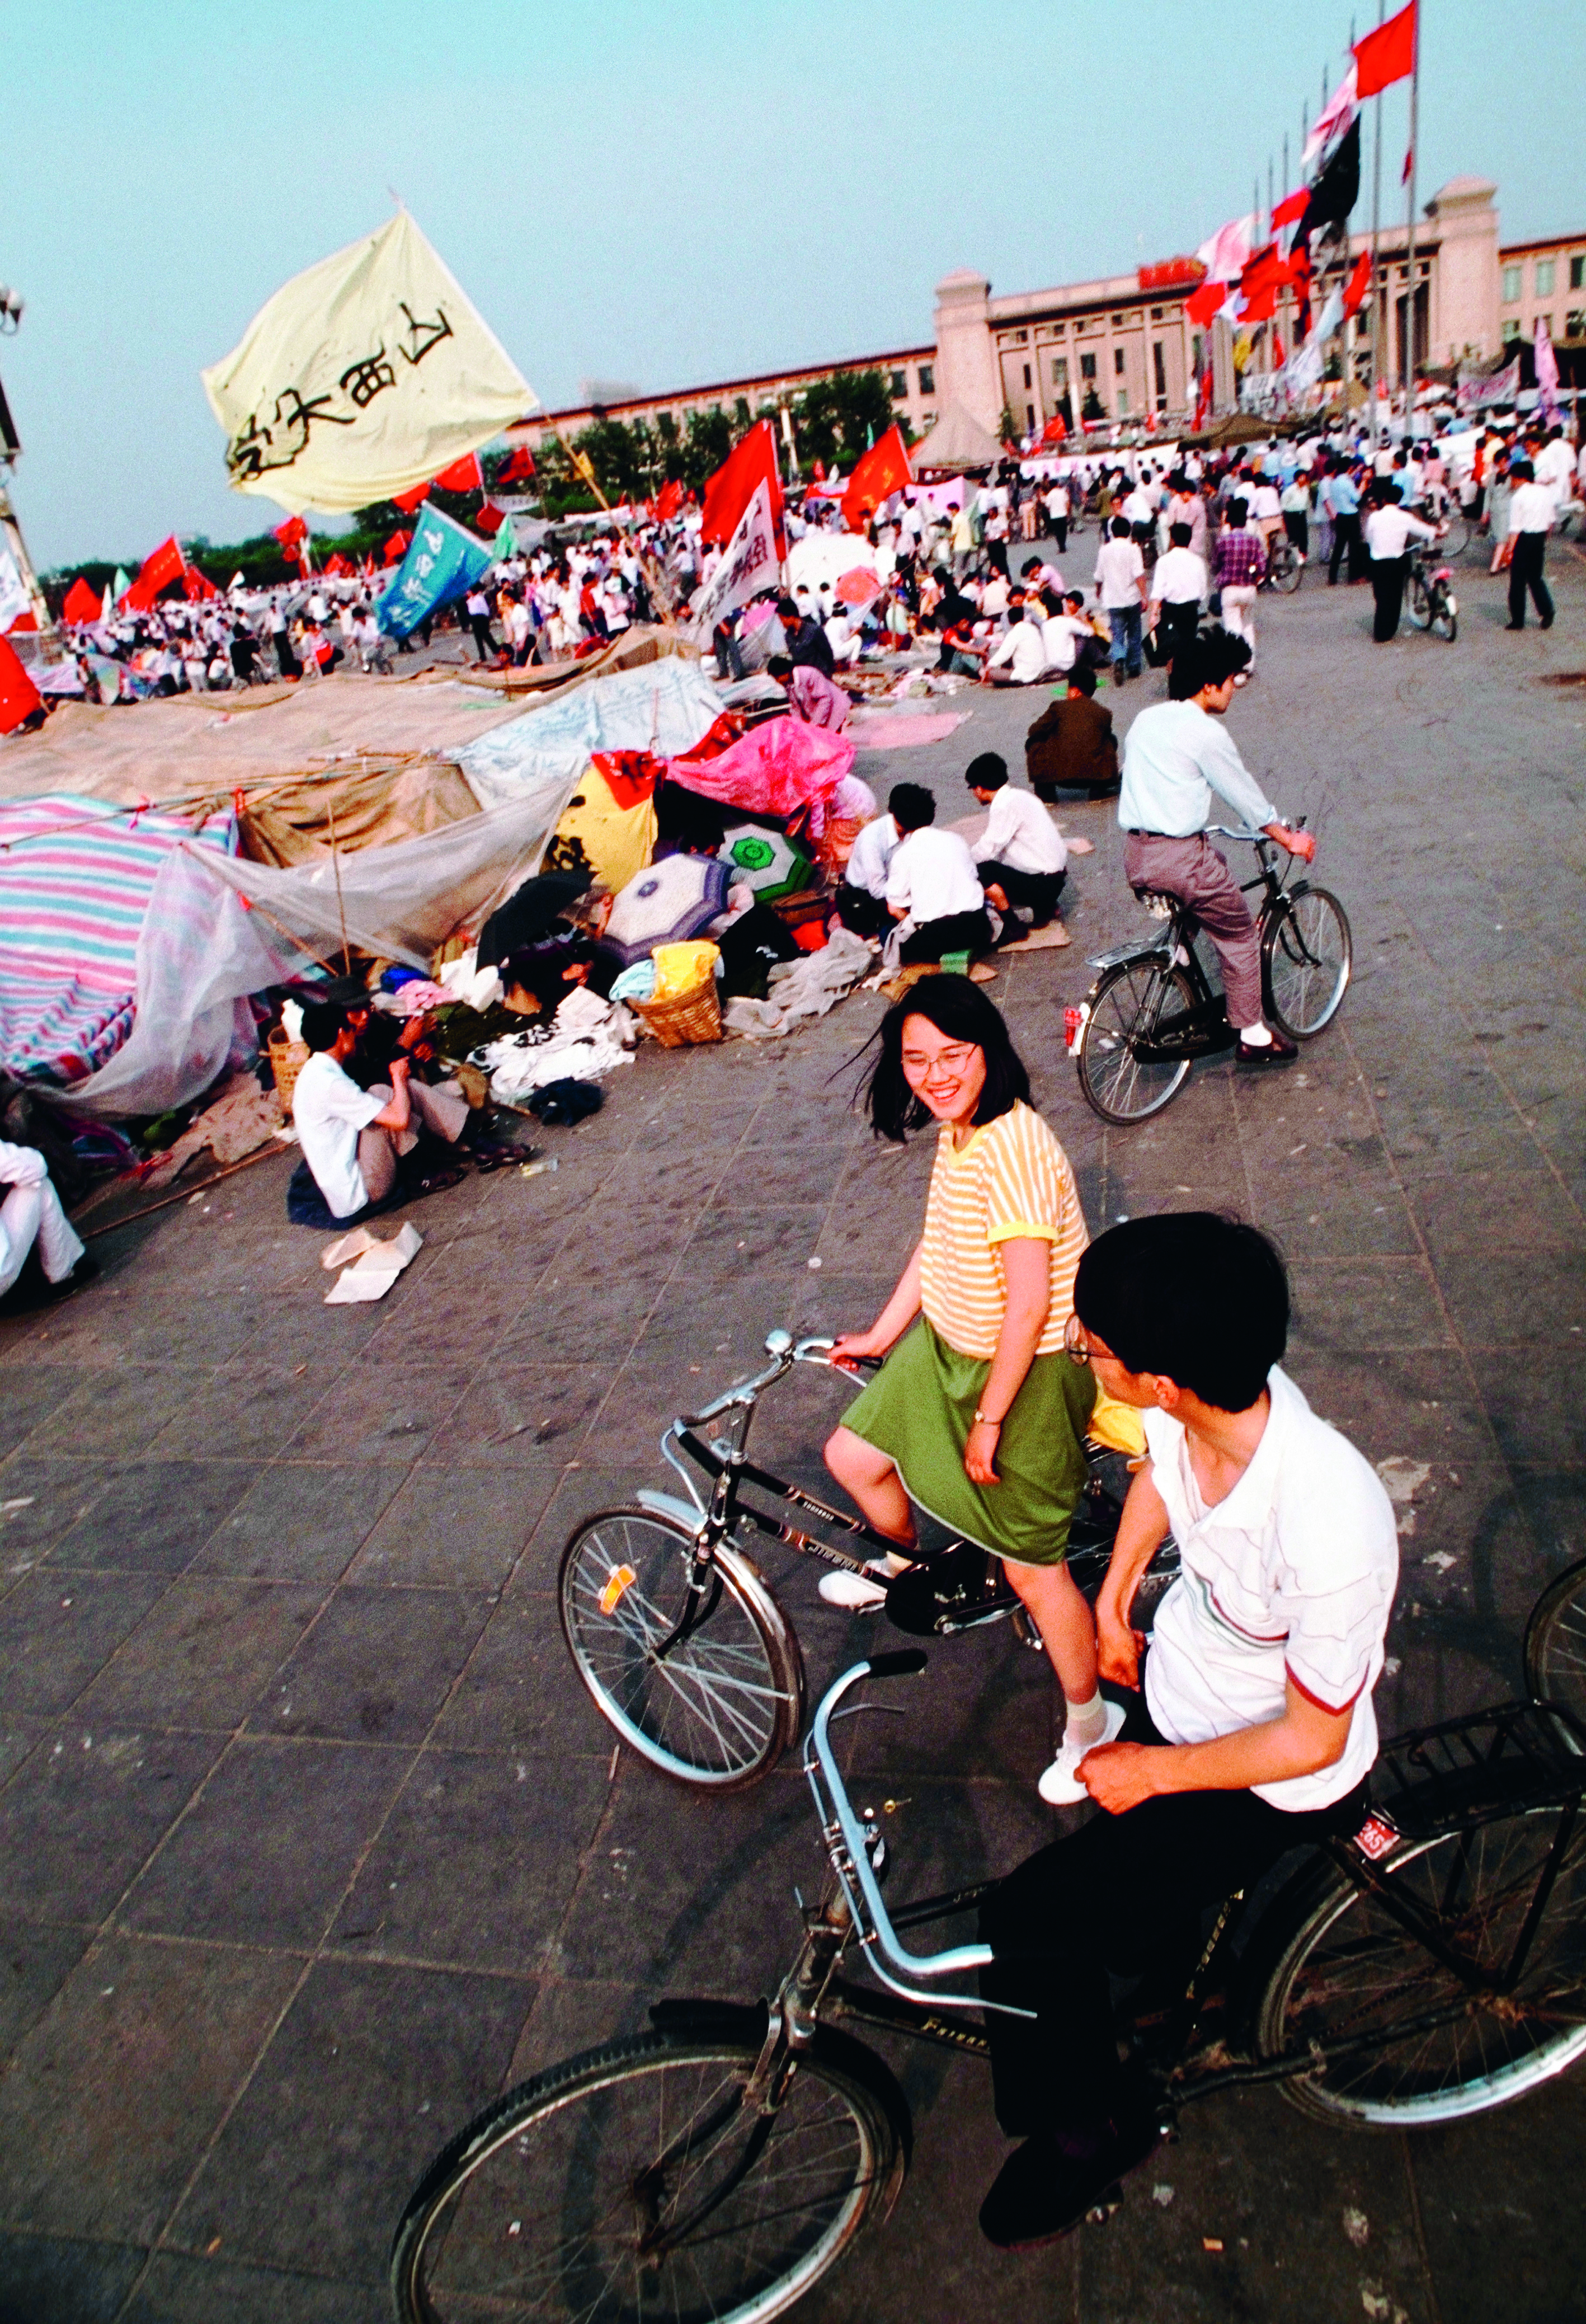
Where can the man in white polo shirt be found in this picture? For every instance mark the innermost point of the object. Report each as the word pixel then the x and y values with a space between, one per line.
pixel 1255 1732
pixel 932 884
pixel 1023 858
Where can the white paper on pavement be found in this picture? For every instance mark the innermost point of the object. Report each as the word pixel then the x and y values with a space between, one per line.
pixel 361 377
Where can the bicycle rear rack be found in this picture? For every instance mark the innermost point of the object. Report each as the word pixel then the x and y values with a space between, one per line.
pixel 1516 1755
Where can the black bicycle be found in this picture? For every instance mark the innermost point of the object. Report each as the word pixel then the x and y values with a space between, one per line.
pixel 1430 1967
pixel 1285 566
pixel 1154 1008
pixel 681 1641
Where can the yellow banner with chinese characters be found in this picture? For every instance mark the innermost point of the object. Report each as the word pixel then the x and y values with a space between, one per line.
pixel 361 378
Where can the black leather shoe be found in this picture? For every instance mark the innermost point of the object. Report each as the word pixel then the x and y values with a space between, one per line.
pixel 1042 2191
pixel 1514 625
pixel 1278 1051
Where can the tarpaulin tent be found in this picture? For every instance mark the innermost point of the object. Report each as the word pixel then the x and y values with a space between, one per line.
pixel 376 801
pixel 956 442
pixel 76 879
pixel 665 707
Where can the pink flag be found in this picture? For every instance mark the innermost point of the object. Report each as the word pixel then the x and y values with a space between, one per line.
pixel 1546 372
pixel 1226 254
pixel 1335 116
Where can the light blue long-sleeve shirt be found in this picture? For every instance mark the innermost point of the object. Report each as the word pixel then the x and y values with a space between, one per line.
pixel 1174 757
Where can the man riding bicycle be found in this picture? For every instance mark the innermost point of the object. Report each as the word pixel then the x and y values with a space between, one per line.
pixel 1175 756
pixel 1251 1729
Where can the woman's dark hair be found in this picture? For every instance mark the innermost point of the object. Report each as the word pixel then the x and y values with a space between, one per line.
pixel 960 1010
pixel 1200 1299
pixel 1236 512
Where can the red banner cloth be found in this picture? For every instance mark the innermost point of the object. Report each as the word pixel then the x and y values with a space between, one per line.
pixel 884 469
pixel 410 500
pixel 82 603
pixel 669 501
pixel 163 565
pixel 1360 282
pixel 520 467
pixel 729 491
pixel 489 520
pixel 463 475
pixel 1292 207
pixel 1385 55
pixel 1202 305
pixel 19 697
pixel 290 533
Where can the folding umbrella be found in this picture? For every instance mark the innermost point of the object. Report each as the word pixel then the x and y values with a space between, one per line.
pixel 667 903
pixel 766 861
pixel 858 586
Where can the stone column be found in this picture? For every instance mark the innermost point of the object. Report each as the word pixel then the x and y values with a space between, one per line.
pixel 966 358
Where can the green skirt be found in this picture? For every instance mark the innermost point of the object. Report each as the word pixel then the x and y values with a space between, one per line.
pixel 919 1409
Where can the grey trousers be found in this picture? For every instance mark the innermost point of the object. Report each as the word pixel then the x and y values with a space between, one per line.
pixel 443 1109
pixel 1197 872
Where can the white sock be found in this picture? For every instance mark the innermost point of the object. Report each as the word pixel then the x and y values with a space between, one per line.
pixel 1256 1036
pixel 1087 1721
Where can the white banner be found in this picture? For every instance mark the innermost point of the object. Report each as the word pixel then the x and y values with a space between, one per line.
pixel 361 378
pixel 13 596
pixel 749 565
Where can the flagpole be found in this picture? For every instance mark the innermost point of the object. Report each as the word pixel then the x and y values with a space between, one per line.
pixel 1410 268
pixel 1376 324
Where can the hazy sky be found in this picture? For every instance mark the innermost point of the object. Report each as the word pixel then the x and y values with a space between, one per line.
pixel 664 193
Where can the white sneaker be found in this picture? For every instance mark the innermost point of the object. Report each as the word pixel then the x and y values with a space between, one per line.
pixel 856 1591
pixel 1060 1787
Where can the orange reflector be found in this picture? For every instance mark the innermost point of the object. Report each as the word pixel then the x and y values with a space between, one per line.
pixel 622 1578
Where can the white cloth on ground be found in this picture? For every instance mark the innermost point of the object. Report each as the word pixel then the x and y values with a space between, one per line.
pixel 810 987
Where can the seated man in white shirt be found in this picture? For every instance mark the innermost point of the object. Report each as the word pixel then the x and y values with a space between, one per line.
pixel 862 893
pixel 1019 654
pixel 1254 1733
pixel 932 884
pixel 1023 858
pixel 30 1217
pixel 1067 635
pixel 352 1139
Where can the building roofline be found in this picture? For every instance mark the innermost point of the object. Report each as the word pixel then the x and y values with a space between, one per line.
pixel 1540 241
pixel 755 379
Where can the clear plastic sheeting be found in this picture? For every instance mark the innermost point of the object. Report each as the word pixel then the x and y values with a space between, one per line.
pixel 216 930
pixel 664 707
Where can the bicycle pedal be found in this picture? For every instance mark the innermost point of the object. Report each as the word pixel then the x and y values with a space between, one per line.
pixel 1104 2206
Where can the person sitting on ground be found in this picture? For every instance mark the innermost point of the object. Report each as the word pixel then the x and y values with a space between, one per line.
pixel 932 884
pixel 1175 756
pixel 352 1139
pixel 1067 636
pixel 1072 745
pixel 976 1416
pixel 31 1218
pixel 1019 655
pixel 862 893
pixel 814 697
pixel 1255 1731
pixel 1023 861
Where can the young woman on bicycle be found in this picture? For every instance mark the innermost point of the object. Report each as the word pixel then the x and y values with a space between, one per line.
pixel 976 1414
pixel 1255 1731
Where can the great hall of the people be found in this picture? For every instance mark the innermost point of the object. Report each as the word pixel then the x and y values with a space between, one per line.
pixel 1128 338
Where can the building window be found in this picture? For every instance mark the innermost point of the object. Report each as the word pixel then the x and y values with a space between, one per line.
pixel 1087 366
pixel 1118 322
pixel 1511 284
pixel 899 383
pixel 928 419
pixel 1160 368
pixel 1544 278
pixel 1547 323
pixel 1155 314
pixel 1027 378
pixel 1060 330
pixel 1575 324
pixel 1021 338
pixel 1123 402
pixel 1578 274
pixel 1029 419
pixel 1511 329
pixel 1118 362
pixel 1060 375
pixel 928 378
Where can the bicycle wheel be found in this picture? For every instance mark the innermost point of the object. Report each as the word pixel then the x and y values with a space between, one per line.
pixel 1445 618
pixel 1133 1004
pixel 1306 956
pixel 1555 1643
pixel 717 1707
pixel 1285 567
pixel 1457 539
pixel 1349 1971
pixel 632 2183
pixel 1418 601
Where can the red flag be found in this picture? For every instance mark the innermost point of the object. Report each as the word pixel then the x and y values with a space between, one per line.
pixel 19 697
pixel 729 491
pixel 520 467
pixel 1205 305
pixel 1359 283
pixel 489 520
pixel 1203 400
pixel 463 475
pixel 82 603
pixel 669 501
pixel 1292 207
pixel 163 565
pixel 397 548
pixel 1056 429
pixel 1385 55
pixel 196 585
pixel 290 533
pixel 1267 269
pixel 410 500
pixel 1403 175
pixel 884 469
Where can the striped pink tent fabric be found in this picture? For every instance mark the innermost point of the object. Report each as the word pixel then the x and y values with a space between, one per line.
pixel 76 877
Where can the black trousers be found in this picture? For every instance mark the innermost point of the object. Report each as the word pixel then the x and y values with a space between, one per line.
pixel 1297 525
pixel 1387 582
pixel 858 909
pixel 1038 890
pixel 968 932
pixel 1124 1893
pixel 480 625
pixel 1346 534
pixel 1176 626
pixel 1060 527
pixel 1525 573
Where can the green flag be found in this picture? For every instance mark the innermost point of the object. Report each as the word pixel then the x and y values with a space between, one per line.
pixel 506 540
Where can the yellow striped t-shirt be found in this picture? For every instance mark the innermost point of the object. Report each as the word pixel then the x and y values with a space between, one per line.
pixel 1010 1179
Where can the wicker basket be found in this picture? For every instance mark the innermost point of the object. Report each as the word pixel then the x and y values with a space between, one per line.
pixel 691 1017
pixel 287 1059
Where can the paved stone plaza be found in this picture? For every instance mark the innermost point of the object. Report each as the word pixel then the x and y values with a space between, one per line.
pixel 310 1840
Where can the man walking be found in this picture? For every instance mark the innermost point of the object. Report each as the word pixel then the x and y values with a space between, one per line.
pixel 1341 500
pixel 1388 537
pixel 1532 507
pixel 1240 569
pixel 1121 584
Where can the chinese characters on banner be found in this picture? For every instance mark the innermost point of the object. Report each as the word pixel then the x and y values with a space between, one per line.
pixel 361 378
pixel 749 565
pixel 444 558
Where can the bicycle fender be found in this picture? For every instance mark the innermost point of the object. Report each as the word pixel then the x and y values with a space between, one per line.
pixel 669 1505
pixel 743 2021
pixel 1136 951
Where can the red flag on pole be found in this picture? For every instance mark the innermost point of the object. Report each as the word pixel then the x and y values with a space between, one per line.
pixel 1292 207
pixel 668 501
pixel 463 475
pixel 729 491
pixel 162 566
pixel 884 469
pixel 82 603
pixel 1359 283
pixel 1205 305
pixel 19 697
pixel 520 467
pixel 1385 55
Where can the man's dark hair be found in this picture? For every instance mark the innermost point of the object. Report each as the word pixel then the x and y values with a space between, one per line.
pixel 1236 512
pixel 778 666
pixel 1121 528
pixel 1073 596
pixel 1524 470
pixel 911 807
pixel 1030 565
pixel 1199 1298
pixel 1179 535
pixel 789 610
pixel 322 1023
pixel 960 1010
pixel 987 773
pixel 1081 678
pixel 1212 657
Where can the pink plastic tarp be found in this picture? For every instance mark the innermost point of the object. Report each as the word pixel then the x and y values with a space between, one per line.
pixel 775 770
